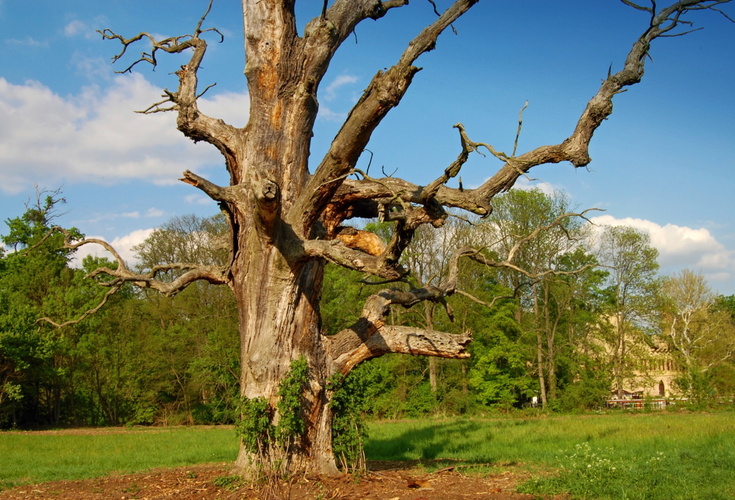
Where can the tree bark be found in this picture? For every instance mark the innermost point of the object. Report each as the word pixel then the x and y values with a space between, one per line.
pixel 279 323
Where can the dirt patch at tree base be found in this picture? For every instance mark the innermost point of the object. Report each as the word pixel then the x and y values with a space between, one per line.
pixel 215 481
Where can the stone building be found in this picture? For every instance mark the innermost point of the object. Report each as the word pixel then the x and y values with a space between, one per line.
pixel 654 373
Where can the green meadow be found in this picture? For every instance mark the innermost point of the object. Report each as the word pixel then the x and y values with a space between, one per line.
pixel 644 455
pixel 35 457
pixel 620 455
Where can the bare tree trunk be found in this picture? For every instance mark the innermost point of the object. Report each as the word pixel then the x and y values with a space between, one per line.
pixel 279 323
pixel 429 315
pixel 539 347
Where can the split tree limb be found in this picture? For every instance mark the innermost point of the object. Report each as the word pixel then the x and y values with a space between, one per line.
pixel 217 193
pixel 351 347
pixel 371 337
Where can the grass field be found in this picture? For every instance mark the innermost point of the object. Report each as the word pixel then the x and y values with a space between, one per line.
pixel 646 455
pixel 34 457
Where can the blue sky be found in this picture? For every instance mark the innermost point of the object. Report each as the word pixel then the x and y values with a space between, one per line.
pixel 664 161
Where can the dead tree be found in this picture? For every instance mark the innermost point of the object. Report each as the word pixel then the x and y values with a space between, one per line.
pixel 286 222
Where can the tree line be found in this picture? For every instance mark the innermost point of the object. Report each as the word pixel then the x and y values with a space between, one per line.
pixel 563 318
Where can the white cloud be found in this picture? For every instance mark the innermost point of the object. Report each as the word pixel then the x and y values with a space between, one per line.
pixel 231 107
pixel 123 245
pixel 683 247
pixel 151 212
pixel 326 113
pixel 198 199
pixel 526 184
pixel 96 137
pixel 154 212
pixel 92 69
pixel 75 27
pixel 529 184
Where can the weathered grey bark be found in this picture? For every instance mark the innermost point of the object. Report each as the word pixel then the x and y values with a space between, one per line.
pixel 285 221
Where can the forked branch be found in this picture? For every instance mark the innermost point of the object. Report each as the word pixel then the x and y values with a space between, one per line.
pixel 190 120
pixel 121 274
pixel 371 337
pixel 384 92
pixel 574 149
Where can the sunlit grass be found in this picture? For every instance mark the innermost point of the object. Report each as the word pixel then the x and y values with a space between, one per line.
pixel 34 457
pixel 646 455
pixel 660 455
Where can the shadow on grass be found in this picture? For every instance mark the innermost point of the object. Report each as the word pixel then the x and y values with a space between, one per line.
pixel 436 446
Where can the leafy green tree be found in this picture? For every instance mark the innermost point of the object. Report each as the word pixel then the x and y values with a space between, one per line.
pixel 195 334
pixel 342 298
pixel 583 371
pixel 700 330
pixel 499 376
pixel 536 231
pixel 398 385
pixel 34 362
pixel 632 289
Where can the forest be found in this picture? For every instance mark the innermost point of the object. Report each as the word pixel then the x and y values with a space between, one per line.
pixel 564 323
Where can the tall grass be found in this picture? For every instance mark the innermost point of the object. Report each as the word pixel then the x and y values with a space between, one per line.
pixel 34 457
pixel 646 456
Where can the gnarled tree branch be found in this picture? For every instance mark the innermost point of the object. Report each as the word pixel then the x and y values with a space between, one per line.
pixel 352 195
pixel 384 92
pixel 575 149
pixel 122 274
pixel 371 337
pixel 337 252
pixel 217 193
pixel 190 120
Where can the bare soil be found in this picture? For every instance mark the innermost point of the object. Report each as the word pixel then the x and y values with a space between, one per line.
pixel 385 481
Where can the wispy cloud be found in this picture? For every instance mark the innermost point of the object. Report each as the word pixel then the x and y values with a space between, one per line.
pixel 528 184
pixel 27 42
pixel 325 113
pixel 150 213
pixel 154 212
pixel 86 29
pixel 75 27
pixel 331 91
pixel 330 94
pixel 198 199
